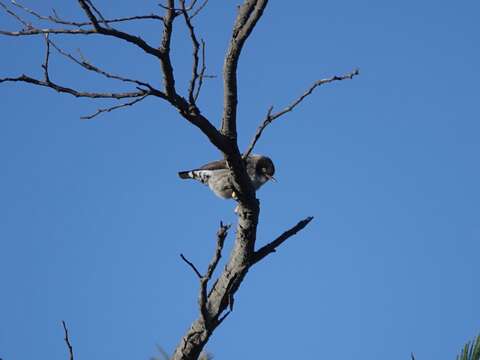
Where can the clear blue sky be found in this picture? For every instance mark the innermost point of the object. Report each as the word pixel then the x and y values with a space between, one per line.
pixel 93 216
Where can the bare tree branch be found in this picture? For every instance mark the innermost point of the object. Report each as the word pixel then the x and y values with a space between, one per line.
pixel 112 108
pixel 200 8
pixel 192 114
pixel 67 340
pixel 221 235
pixel 168 78
pixel 90 67
pixel 99 14
pixel 139 96
pixel 313 87
pixel 271 247
pixel 204 279
pixel 55 19
pixel 271 117
pixel 248 15
pixel 33 31
pixel 192 266
pixel 76 93
pixel 195 46
pixel 189 112
pixel 170 6
pixel 14 15
pixel 47 57
pixel 136 40
pixel 202 75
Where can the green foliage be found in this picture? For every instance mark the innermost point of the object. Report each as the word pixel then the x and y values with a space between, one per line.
pixel 471 350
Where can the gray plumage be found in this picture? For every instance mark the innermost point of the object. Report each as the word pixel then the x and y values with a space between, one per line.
pixel 217 176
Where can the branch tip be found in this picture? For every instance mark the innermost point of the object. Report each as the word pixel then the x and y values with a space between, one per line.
pixel 67 340
pixel 192 266
pixel 269 118
pixel 272 246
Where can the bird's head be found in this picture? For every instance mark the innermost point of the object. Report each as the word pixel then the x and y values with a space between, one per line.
pixel 265 168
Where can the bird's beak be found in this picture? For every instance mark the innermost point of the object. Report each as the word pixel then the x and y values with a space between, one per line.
pixel 270 177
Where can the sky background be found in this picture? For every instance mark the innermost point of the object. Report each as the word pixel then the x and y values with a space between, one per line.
pixel 93 216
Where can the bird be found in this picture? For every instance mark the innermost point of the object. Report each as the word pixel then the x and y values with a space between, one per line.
pixel 218 177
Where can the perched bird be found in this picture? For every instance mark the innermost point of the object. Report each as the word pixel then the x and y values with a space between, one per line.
pixel 217 176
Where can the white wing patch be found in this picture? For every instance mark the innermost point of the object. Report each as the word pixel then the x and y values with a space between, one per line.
pixel 201 175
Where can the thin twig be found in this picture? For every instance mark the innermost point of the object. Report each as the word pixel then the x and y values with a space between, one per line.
pixel 136 40
pixel 204 279
pixel 76 93
pixel 138 96
pixel 32 31
pixel 271 117
pixel 310 90
pixel 268 120
pixel 47 57
pixel 271 247
pixel 104 110
pixel 56 19
pixel 200 8
pixel 90 67
pixel 221 235
pixel 202 299
pixel 67 340
pixel 15 15
pixel 195 46
pixel 201 76
pixel 191 114
pixel 194 268
pixel 99 14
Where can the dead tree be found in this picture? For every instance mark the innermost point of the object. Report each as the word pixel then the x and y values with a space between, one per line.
pixel 215 301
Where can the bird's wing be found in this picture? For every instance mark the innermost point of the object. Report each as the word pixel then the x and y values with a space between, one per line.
pixel 203 173
pixel 215 165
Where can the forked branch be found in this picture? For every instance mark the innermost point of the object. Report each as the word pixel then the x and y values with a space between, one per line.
pixel 76 93
pixel 47 82
pixel 101 27
pixel 89 10
pixel 90 67
pixel 109 31
pixel 115 107
pixel 204 279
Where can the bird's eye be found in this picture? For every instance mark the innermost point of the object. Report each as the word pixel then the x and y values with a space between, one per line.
pixel 264 170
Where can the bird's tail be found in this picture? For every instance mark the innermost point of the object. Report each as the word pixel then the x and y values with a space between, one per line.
pixel 185 175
